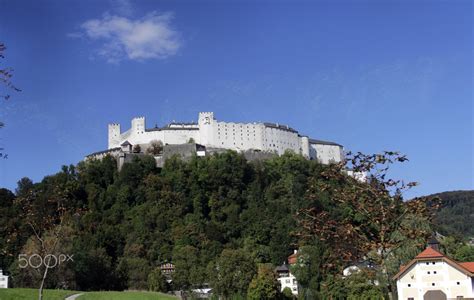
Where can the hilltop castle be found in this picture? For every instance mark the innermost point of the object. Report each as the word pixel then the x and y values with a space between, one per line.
pixel 210 134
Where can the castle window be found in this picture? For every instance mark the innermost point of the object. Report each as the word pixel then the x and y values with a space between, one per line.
pixel 409 285
pixel 427 263
pixel 434 272
pixel 433 284
pixel 458 283
pixel 434 263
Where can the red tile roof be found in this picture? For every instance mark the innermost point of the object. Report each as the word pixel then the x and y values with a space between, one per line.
pixel 430 253
pixel 468 266
pixel 292 258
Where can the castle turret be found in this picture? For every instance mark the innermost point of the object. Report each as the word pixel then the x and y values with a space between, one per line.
pixel 305 146
pixel 138 125
pixel 114 135
pixel 206 122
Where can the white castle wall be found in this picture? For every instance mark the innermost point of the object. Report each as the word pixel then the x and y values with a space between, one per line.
pixel 327 153
pixel 229 135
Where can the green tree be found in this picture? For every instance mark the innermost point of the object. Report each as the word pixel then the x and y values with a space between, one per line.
pixel 264 285
pixel 309 267
pixel 135 270
pixel 354 218
pixel 287 293
pixel 231 273
pixel 189 271
pixel 465 253
pixel 157 281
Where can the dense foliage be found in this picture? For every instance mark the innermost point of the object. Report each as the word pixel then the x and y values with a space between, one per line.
pixel 194 214
pixel 456 216
pixel 221 220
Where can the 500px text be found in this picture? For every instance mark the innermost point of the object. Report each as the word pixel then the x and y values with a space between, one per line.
pixel 35 260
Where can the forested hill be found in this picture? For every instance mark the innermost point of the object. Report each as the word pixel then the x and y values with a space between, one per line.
pixel 456 216
pixel 221 220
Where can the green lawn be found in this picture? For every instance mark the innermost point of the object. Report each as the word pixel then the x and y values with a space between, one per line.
pixel 31 294
pixel 125 296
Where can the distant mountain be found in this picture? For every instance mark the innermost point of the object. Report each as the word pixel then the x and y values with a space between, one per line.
pixel 456 215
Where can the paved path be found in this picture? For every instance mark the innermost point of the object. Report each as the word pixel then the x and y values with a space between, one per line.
pixel 73 297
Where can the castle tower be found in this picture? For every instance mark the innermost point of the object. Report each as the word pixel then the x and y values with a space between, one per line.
pixel 138 125
pixel 114 135
pixel 206 125
pixel 305 146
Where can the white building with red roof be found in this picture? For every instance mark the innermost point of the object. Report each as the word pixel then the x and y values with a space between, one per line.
pixel 432 275
pixel 285 277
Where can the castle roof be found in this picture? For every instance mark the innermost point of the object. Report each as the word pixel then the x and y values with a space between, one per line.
pixel 176 126
pixel 126 143
pixel 279 126
pixel 321 142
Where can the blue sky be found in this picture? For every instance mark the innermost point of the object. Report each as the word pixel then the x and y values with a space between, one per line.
pixel 371 75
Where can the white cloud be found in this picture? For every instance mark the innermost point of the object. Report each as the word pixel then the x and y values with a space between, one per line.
pixel 150 37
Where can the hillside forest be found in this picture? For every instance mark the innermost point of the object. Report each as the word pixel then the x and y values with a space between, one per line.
pixel 225 222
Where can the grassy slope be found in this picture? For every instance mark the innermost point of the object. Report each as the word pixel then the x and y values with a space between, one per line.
pixel 125 296
pixel 29 294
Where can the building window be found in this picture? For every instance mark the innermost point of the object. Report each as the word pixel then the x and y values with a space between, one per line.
pixel 458 283
pixel 434 263
pixel 427 263
pixel 428 272
pixel 287 281
pixel 434 272
pixel 411 298
pixel 409 285
pixel 433 284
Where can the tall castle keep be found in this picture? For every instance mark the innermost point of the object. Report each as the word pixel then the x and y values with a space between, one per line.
pixel 213 134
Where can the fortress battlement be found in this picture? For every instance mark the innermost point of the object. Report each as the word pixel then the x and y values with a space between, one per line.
pixel 208 132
